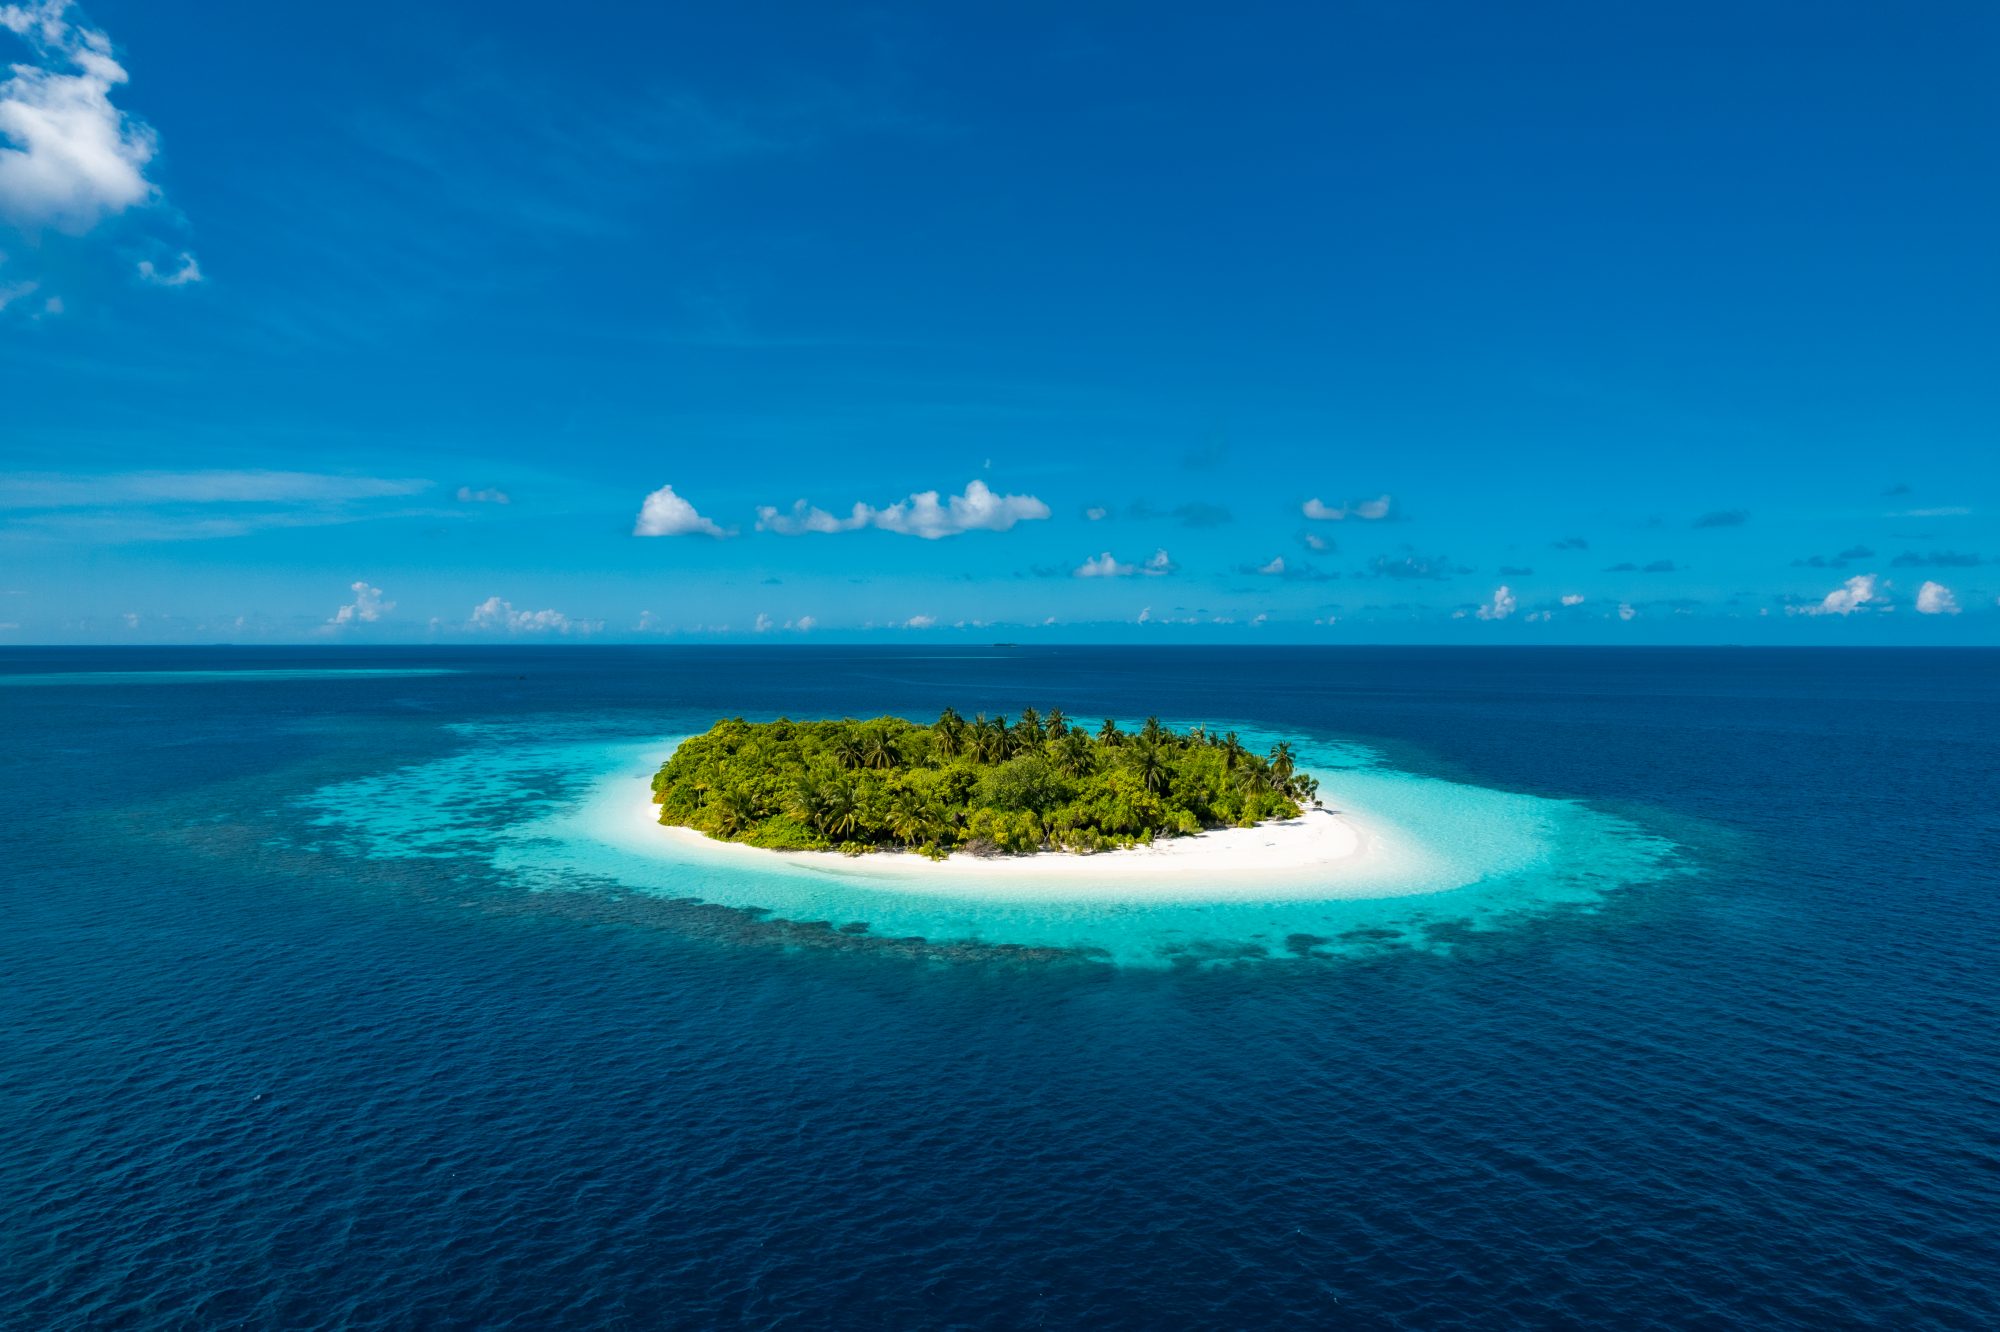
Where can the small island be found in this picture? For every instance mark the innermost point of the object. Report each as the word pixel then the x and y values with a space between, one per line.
pixel 984 786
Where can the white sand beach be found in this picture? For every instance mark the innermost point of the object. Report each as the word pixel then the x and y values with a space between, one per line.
pixel 1323 853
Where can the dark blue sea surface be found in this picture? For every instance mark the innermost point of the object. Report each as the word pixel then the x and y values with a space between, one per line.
pixel 261 1070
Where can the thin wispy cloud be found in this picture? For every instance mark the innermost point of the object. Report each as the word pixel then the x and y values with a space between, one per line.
pixel 185 272
pixel 924 514
pixel 484 495
pixel 1363 510
pixel 68 490
pixel 1936 559
pixel 1723 518
pixel 1408 568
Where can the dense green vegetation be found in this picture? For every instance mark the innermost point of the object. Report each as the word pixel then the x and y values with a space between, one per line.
pixel 982 786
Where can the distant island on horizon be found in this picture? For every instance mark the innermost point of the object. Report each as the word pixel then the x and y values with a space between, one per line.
pixel 983 786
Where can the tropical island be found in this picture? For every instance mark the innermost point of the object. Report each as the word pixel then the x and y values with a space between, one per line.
pixel 984 786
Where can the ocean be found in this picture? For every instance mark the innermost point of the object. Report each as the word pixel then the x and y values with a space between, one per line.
pixel 342 988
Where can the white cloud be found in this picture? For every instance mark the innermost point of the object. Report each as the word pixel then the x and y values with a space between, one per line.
pixel 920 622
pixel 923 514
pixel 187 274
pixel 1145 614
pixel 804 624
pixel 1372 510
pixel 51 490
pixel 1625 611
pixel 1500 607
pixel 667 514
pixel 1314 541
pixel 1097 513
pixel 1572 599
pixel 1259 618
pixel 495 613
pixel 1936 599
pixel 68 157
pixel 366 608
pixel 1275 567
pixel 1849 597
pixel 1103 566
pixel 762 625
pixel 485 495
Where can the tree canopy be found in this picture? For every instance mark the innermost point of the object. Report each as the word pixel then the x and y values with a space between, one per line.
pixel 983 785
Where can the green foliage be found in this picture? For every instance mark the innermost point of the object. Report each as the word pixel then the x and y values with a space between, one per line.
pixel 984 786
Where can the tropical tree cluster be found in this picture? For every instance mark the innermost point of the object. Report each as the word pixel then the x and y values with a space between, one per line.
pixel 985 785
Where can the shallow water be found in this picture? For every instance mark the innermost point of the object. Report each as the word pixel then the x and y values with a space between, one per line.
pixel 1461 858
pixel 341 1002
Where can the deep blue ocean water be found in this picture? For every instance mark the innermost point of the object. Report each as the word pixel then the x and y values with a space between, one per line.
pixel 309 1019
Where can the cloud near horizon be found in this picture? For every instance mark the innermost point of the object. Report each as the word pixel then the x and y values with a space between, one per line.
pixel 978 508
pixel 1105 566
pixel 498 614
pixel 1936 599
pixel 1858 592
pixel 366 608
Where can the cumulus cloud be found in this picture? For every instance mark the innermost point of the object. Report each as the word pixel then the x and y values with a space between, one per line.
pixel 496 614
pixel 1723 518
pixel 186 273
pixel 762 624
pixel 1500 606
pixel 1106 566
pixel 366 608
pixel 1315 542
pixel 923 514
pixel 666 514
pixel 1275 567
pixel 1370 510
pixel 1097 513
pixel 68 157
pixel 1936 599
pixel 1625 611
pixel 920 622
pixel 1857 592
pixel 485 495
pixel 803 624
pixel 1572 598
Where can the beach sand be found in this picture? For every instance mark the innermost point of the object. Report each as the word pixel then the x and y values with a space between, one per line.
pixel 1322 853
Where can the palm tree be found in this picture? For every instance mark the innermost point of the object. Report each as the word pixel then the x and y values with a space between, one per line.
pixel 879 750
pixel 1149 765
pixel 733 811
pixel 1281 762
pixel 1057 723
pixel 808 804
pixel 1233 752
pixel 1150 732
pixel 1072 754
pixel 1109 734
pixel 1030 727
pixel 950 731
pixel 846 749
pixel 843 812
pixel 910 818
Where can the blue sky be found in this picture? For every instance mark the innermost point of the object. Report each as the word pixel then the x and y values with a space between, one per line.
pixel 465 322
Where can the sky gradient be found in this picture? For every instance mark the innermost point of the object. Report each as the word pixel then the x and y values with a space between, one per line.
pixel 1350 323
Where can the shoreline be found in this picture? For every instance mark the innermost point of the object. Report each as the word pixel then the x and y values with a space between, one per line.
pixel 1321 853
